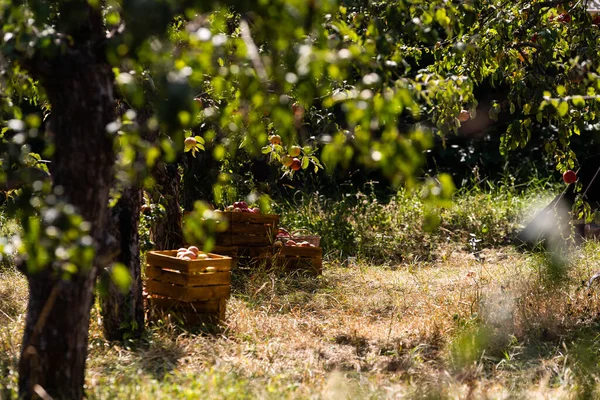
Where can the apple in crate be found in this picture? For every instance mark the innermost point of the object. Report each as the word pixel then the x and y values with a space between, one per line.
pixel 281 232
pixel 191 253
pixel 240 204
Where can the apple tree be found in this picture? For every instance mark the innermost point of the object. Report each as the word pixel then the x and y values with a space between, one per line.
pixel 117 82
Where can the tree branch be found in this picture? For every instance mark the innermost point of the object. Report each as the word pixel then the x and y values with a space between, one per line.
pixel 253 51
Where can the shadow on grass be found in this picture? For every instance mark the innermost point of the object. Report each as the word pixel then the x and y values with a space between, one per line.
pixel 152 354
pixel 259 286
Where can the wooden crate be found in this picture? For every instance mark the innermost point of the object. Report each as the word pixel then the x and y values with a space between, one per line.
pixel 187 287
pixel 210 312
pixel 248 229
pixel 290 258
pixel 591 231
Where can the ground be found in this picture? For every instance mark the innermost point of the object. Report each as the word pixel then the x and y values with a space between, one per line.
pixel 491 324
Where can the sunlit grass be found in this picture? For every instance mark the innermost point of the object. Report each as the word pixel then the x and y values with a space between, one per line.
pixel 484 215
pixel 485 323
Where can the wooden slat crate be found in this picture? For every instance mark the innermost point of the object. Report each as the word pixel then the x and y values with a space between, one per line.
pixel 248 229
pixel 291 258
pixel 191 313
pixel 196 289
pixel 591 231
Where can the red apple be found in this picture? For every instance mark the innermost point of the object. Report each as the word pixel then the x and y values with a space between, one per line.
pixel 283 233
pixel 464 116
pixel 564 17
pixel 298 110
pixel 296 164
pixel 569 177
pixel 190 254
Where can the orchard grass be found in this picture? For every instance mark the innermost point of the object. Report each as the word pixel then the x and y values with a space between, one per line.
pixel 479 323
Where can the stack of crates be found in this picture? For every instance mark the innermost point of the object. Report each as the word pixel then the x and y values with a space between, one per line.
pixel 194 290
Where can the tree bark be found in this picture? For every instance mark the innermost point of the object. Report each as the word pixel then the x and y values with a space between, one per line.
pixel 167 233
pixel 79 86
pixel 123 312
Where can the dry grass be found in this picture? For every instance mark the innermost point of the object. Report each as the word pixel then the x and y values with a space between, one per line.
pixel 491 326
pixel 13 304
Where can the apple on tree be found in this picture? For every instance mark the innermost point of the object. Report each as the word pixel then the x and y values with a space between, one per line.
pixel 569 177
pixel 298 110
pixel 287 161
pixel 275 139
pixel 190 142
pixel 296 164
pixel 294 151
pixel 193 144
pixel 288 157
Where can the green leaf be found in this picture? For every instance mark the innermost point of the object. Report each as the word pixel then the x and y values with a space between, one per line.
pixel 578 101
pixel 266 150
pixel 305 162
pixel 441 17
pixel 563 108
pixel 120 276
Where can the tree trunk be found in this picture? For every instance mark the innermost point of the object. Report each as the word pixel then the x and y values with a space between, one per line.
pixel 123 312
pixel 167 233
pixel 200 173
pixel 80 91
